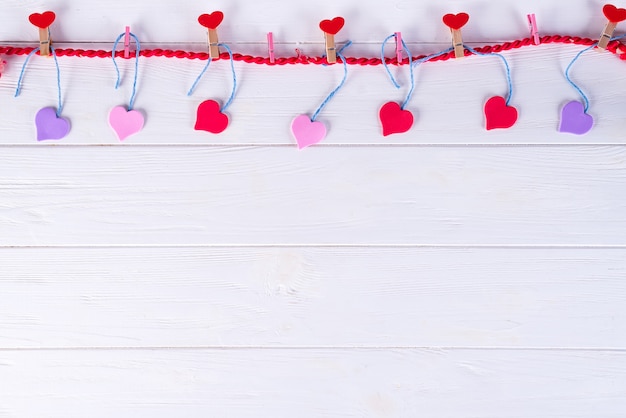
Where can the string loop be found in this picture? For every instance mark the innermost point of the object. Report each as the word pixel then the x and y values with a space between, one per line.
pixel 506 65
pixel 343 81
pixel 117 70
pixel 18 89
pixel 232 69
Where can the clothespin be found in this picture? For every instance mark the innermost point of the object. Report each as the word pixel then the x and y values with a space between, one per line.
pixel 127 42
pixel 534 32
pixel 614 16
pixel 330 29
pixel 2 64
pixel 43 22
pixel 455 23
pixel 211 22
pixel 399 47
pixel 270 47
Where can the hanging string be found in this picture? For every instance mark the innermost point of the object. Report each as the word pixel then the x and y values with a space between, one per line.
pixel 232 69
pixel 117 70
pixel 343 81
pixel 412 65
pixel 56 63
pixel 506 65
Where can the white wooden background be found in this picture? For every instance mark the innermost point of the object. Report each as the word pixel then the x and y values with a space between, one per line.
pixel 448 272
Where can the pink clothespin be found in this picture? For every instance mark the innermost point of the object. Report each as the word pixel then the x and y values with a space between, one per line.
pixel 534 32
pixel 270 47
pixel 2 63
pixel 399 47
pixel 127 42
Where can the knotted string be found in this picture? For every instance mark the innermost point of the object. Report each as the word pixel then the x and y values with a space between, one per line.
pixel 56 63
pixel 343 81
pixel 117 70
pixel 232 69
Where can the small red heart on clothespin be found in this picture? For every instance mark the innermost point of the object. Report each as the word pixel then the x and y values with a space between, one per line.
pixel 456 21
pixel 210 117
pixel 498 115
pixel 394 119
pixel 613 14
pixel 42 20
pixel 211 21
pixel 332 27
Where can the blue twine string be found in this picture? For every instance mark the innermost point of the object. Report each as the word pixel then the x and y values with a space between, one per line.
pixel 343 81
pixel 412 65
pixel 117 70
pixel 56 63
pixel 232 69
pixel 567 70
pixel 506 65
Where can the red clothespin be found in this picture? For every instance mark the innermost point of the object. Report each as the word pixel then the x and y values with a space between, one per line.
pixel 270 47
pixel 455 23
pixel 330 29
pixel 614 16
pixel 127 42
pixel 211 22
pixel 399 47
pixel 43 22
pixel 534 32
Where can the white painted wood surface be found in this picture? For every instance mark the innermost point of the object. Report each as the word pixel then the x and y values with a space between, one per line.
pixel 448 272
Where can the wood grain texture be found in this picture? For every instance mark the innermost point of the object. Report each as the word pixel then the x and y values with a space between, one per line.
pixel 391 195
pixel 313 383
pixel 312 297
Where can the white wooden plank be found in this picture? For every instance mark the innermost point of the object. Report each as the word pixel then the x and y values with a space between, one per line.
pixel 297 21
pixel 374 297
pixel 447 104
pixel 313 383
pixel 437 195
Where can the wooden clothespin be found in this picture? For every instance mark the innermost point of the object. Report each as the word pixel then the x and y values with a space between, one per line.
pixel 455 23
pixel 43 22
pixel 127 42
pixel 534 32
pixel 331 28
pixel 270 47
pixel 614 16
pixel 211 22
pixel 399 47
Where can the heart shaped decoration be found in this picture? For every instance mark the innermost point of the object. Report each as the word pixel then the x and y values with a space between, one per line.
pixel 42 20
pixel 332 27
pixel 49 125
pixel 394 119
pixel 498 115
pixel 456 21
pixel 307 132
pixel 210 118
pixel 211 21
pixel 613 14
pixel 574 120
pixel 125 123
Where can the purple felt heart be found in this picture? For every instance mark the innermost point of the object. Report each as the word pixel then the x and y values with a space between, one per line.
pixel 49 125
pixel 574 119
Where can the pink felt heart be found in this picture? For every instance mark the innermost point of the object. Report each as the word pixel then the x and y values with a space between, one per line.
pixel 210 117
pixel 394 120
pixel 456 21
pixel 574 119
pixel 211 21
pixel 613 14
pixel 333 26
pixel 125 123
pixel 498 115
pixel 49 125
pixel 307 132
pixel 42 20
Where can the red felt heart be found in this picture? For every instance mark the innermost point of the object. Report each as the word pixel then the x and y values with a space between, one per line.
pixel 332 27
pixel 457 21
pixel 498 115
pixel 211 21
pixel 42 20
pixel 613 13
pixel 210 118
pixel 394 119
